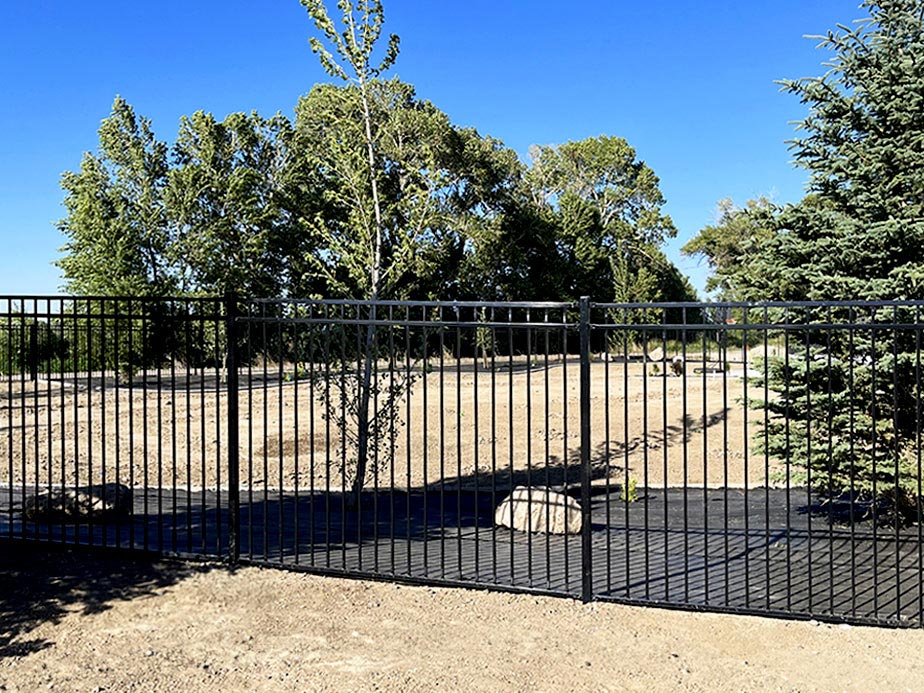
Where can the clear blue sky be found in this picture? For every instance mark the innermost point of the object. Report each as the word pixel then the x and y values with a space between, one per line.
pixel 689 84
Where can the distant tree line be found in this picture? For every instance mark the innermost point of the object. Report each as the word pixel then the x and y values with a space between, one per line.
pixel 275 207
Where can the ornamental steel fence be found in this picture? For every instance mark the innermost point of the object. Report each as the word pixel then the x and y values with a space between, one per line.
pixel 755 458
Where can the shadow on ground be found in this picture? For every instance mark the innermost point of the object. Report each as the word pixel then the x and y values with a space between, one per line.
pixel 40 585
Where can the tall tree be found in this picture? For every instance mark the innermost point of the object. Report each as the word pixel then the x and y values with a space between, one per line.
pixel 607 208
pixel 116 220
pixel 438 185
pixel 864 134
pixel 843 417
pixel 118 240
pixel 226 200
pixel 353 63
pixel 725 244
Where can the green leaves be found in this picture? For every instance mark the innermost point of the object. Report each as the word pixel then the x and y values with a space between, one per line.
pixel 726 244
pixel 438 187
pixel 606 207
pixel 362 22
pixel 604 171
pixel 226 203
pixel 219 210
pixel 116 218
pixel 864 141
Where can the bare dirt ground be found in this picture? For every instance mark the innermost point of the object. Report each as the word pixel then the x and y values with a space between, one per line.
pixel 455 425
pixel 73 622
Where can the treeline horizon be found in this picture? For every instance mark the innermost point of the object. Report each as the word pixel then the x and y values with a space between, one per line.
pixel 279 207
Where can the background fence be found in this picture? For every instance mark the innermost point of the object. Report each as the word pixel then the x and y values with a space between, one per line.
pixel 753 458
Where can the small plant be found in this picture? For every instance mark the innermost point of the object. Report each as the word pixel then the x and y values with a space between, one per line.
pixel 629 491
pixel 484 339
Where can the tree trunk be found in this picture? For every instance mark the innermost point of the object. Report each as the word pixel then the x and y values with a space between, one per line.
pixel 365 387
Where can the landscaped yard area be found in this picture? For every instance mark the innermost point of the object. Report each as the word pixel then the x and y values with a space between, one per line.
pixel 458 421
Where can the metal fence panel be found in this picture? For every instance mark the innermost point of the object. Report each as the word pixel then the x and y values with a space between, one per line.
pixel 756 458
pixel 112 415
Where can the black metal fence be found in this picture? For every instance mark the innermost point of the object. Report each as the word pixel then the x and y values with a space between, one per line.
pixel 752 458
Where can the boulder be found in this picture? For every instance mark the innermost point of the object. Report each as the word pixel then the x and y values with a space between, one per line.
pixel 656 354
pixel 539 510
pixel 98 501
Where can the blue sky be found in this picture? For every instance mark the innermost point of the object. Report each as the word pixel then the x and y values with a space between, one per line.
pixel 689 85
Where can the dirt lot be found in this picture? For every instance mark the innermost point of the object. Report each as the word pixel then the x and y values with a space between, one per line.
pixel 457 423
pixel 75 623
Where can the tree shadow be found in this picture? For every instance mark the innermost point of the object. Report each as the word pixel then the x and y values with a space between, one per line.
pixel 564 473
pixel 40 584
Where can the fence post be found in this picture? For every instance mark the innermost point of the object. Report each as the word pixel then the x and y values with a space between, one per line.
pixel 234 498
pixel 586 544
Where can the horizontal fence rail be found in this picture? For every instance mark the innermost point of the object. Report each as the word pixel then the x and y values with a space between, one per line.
pixel 755 458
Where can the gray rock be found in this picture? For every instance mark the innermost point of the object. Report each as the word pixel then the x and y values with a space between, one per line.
pixel 539 510
pixel 656 354
pixel 99 501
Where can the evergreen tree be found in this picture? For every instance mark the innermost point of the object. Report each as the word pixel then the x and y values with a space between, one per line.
pixel 845 415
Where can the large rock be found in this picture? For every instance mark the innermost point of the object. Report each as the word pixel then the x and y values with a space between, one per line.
pixel 539 510
pixel 99 502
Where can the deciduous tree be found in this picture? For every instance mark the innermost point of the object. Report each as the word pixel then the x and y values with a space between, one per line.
pixel 117 238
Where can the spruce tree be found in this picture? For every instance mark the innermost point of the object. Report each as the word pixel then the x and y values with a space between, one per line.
pixel 845 414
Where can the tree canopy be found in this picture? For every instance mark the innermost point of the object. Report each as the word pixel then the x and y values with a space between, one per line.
pixel 840 415
pixel 116 222
pixel 369 192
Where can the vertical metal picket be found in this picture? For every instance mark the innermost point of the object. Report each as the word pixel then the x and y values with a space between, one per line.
pixel 586 543
pixel 234 498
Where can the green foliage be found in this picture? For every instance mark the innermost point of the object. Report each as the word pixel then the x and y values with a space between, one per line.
pixel 220 210
pixel 603 206
pixel 362 26
pixel 864 135
pixel 604 172
pixel 514 256
pixel 629 492
pixel 28 344
pixel 116 218
pixel 725 244
pixel 438 185
pixel 228 205
pixel 842 416
pixel 336 379
pixel 362 22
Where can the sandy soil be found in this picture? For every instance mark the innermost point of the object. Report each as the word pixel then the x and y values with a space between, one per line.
pixel 456 423
pixel 70 622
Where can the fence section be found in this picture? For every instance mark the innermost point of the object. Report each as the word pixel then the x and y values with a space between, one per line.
pixel 451 406
pixel 112 412
pixel 754 458
pixel 769 457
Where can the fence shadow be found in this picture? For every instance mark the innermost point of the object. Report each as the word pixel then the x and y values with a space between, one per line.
pixel 42 585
